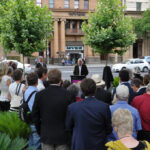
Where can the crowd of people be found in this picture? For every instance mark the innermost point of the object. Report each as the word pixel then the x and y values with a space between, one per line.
pixel 80 116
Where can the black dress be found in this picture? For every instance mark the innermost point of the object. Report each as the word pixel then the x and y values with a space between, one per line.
pixel 141 146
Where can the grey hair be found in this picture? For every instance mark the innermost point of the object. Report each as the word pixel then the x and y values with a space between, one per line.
pixel 74 89
pixel 40 57
pixel 122 92
pixel 123 121
pixel 80 59
pixel 148 88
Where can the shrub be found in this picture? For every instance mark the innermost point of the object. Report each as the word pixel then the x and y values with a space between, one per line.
pixel 115 83
pixel 11 124
pixel 6 143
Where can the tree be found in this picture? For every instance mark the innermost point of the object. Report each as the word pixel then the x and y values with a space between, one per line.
pixel 137 26
pixel 24 26
pixel 107 29
pixel 142 25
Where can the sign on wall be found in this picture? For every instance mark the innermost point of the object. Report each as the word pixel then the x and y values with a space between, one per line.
pixel 75 48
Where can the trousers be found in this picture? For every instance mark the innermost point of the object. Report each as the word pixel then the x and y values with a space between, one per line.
pixel 54 147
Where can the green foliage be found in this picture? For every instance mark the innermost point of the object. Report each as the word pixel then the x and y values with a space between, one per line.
pixel 24 26
pixel 108 30
pixel 137 26
pixel 115 82
pixel 142 25
pixel 13 58
pixel 6 143
pixel 146 23
pixel 13 126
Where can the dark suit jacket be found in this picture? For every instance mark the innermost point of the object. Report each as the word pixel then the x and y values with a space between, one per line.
pixel 103 95
pixel 90 120
pixel 49 114
pixel 84 70
pixel 38 65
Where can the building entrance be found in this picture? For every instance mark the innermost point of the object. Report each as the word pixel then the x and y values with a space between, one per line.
pixel 74 57
pixel 137 49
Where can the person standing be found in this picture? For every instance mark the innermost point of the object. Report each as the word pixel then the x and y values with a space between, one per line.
pixel 16 90
pixel 40 63
pixel 101 93
pixel 49 113
pixel 123 124
pixel 89 119
pixel 122 95
pixel 5 82
pixel 142 104
pixel 42 76
pixel 80 69
pixel 32 79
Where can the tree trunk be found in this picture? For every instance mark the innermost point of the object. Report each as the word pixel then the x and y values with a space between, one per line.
pixel 106 59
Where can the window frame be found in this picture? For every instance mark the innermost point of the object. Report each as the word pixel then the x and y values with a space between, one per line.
pixel 51 3
pixel 39 3
pixel 138 6
pixel 86 4
pixel 66 3
pixel 76 3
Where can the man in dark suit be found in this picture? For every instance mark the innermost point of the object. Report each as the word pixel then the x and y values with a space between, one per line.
pixel 40 63
pixel 89 119
pixel 80 69
pixel 49 113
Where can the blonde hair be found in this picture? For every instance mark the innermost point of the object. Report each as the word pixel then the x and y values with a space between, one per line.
pixel 3 69
pixel 123 121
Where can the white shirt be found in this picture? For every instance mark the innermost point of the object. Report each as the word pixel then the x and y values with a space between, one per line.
pixel 15 99
pixel 80 67
pixel 40 85
pixel 4 88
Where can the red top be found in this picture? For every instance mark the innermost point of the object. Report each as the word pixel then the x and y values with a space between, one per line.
pixel 142 104
pixel 79 99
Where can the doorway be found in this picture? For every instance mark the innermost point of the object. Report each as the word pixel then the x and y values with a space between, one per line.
pixel 137 48
pixel 75 56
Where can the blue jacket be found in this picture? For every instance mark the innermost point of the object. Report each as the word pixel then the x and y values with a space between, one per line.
pixel 90 121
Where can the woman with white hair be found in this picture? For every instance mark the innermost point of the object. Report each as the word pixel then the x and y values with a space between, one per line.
pixel 123 124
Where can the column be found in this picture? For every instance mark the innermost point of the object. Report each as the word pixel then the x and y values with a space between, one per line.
pixel 55 37
pixel 63 40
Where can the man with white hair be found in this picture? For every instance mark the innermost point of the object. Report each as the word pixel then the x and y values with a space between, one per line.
pixel 40 63
pixel 122 95
pixel 142 104
pixel 80 69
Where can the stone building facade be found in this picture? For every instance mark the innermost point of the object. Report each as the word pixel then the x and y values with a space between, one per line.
pixel 67 41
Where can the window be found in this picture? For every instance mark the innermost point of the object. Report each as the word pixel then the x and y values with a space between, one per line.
pixel 68 24
pixel 51 3
pixel 66 4
pixel 138 6
pixel 76 4
pixel 86 4
pixel 39 2
pixel 74 24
